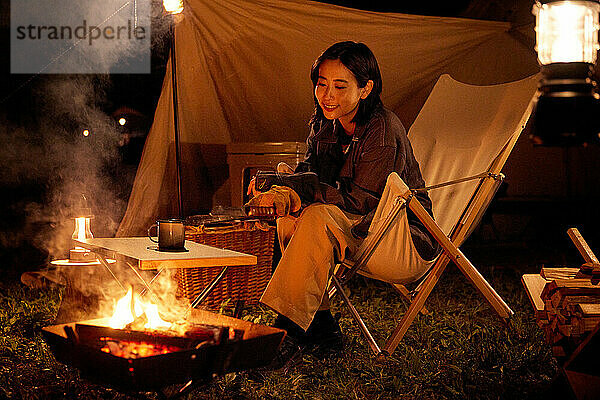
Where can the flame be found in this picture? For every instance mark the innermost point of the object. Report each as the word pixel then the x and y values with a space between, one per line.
pixel 80 225
pixel 82 231
pixel 123 314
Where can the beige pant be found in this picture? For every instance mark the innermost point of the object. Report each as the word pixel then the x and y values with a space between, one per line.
pixel 312 243
pixel 310 246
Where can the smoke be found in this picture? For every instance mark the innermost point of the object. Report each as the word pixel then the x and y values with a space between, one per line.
pixel 47 159
pixel 51 157
pixel 49 164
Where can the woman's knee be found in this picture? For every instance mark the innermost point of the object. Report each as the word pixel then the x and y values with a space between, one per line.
pixel 317 214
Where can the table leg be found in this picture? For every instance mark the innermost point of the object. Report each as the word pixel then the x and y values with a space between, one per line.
pixel 144 290
pixel 107 266
pixel 141 278
pixel 200 298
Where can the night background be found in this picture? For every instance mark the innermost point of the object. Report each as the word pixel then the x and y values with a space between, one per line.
pixel 45 155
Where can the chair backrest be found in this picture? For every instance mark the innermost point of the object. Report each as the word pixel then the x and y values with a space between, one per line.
pixel 464 130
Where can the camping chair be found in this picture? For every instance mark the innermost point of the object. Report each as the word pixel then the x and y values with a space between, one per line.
pixel 462 138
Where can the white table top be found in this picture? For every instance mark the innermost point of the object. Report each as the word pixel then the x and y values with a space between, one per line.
pixel 144 251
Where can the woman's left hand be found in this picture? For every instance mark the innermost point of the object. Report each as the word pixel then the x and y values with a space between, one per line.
pixel 252 192
pixel 284 168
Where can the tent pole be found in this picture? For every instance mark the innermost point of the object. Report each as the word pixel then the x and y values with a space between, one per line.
pixel 176 119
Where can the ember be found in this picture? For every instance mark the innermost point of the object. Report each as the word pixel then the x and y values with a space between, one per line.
pixel 133 349
pixel 133 344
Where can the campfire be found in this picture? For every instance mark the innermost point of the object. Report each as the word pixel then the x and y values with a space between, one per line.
pixel 145 359
pixel 132 312
pixel 136 330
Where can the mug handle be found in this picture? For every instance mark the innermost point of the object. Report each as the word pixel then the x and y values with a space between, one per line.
pixel 150 236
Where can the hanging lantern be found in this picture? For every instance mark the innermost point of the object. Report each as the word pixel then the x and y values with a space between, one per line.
pixel 566 31
pixel 173 6
pixel 567 47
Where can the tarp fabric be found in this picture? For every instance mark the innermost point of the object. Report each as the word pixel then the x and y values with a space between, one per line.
pixel 243 76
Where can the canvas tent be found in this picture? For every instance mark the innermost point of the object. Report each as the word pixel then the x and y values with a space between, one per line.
pixel 243 76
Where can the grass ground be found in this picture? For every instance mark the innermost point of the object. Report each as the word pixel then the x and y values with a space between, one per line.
pixel 461 350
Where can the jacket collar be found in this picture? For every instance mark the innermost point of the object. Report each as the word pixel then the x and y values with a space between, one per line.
pixel 327 131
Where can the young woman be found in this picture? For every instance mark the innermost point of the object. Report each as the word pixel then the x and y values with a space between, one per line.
pixel 353 145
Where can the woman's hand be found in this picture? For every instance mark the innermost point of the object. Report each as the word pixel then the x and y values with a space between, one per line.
pixel 282 198
pixel 252 188
pixel 283 168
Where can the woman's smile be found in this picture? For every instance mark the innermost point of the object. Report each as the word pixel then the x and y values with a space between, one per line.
pixel 329 108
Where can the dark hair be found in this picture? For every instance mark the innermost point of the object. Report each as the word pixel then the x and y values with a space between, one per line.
pixel 359 59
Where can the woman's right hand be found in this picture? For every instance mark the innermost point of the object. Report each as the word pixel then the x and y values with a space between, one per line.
pixel 282 168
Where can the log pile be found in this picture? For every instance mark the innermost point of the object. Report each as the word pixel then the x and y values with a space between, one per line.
pixel 567 300
pixel 567 308
pixel 571 308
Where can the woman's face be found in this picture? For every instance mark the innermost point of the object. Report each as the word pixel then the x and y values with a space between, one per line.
pixel 337 91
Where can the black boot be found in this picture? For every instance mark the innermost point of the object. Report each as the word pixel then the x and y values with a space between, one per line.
pixel 293 330
pixel 290 351
pixel 324 331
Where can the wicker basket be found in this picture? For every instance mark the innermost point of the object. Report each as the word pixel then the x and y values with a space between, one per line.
pixel 240 282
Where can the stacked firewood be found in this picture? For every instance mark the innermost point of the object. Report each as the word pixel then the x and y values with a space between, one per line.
pixel 571 308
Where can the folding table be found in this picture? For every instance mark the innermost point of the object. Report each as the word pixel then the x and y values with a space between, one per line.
pixel 144 253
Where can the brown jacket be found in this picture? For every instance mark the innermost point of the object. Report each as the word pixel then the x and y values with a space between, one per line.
pixel 355 181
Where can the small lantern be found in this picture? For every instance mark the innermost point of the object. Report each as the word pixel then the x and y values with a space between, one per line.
pixel 82 228
pixel 82 231
pixel 567 47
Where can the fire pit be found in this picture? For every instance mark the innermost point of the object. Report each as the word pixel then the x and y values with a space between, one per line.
pixel 150 360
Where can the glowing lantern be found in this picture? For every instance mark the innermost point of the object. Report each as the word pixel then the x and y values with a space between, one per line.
pixel 567 31
pixel 567 46
pixel 82 228
pixel 82 231
pixel 173 6
pixel 86 132
pixel 122 121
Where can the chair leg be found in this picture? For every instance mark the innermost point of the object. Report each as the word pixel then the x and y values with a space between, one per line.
pixel 361 324
pixel 462 262
pixel 339 272
pixel 416 304
pixel 407 296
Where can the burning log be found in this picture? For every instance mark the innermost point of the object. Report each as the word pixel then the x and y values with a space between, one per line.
pixel 133 344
